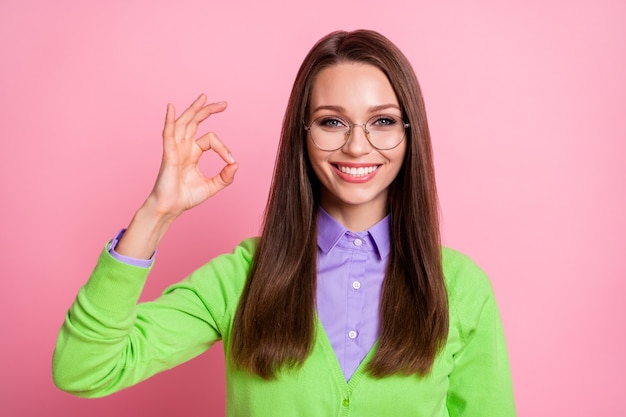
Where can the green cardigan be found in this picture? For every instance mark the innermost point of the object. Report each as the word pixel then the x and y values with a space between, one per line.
pixel 109 342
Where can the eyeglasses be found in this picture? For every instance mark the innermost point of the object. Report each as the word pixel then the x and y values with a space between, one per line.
pixel 383 132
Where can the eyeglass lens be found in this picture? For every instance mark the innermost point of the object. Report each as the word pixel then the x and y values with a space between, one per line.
pixel 382 131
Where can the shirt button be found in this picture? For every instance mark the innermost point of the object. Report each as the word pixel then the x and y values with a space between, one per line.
pixel 358 242
pixel 356 285
pixel 352 334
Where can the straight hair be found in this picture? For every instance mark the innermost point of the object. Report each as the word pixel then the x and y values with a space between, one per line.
pixel 274 326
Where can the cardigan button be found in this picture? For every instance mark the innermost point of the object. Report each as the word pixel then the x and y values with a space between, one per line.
pixel 346 402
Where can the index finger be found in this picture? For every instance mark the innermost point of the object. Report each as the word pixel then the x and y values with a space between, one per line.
pixel 211 141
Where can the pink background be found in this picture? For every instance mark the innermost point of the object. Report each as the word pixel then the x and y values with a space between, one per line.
pixel 526 102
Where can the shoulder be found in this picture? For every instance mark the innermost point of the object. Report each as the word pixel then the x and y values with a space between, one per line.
pixel 245 250
pixel 462 273
pixel 469 288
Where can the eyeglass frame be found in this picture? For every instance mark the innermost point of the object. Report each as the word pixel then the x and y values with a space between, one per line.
pixel 349 132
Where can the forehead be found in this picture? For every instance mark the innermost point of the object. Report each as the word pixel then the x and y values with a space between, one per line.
pixel 354 86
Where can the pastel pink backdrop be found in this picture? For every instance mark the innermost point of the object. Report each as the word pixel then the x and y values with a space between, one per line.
pixel 525 101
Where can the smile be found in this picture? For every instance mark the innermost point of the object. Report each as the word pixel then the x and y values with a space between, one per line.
pixel 357 171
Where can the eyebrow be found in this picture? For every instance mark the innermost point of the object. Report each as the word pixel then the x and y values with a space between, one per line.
pixel 372 109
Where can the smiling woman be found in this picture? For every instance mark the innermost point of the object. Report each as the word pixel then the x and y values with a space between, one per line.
pixel 355 176
pixel 346 303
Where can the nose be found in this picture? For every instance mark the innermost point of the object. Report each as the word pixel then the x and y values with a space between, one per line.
pixel 357 142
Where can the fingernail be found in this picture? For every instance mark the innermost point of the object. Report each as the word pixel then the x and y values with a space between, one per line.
pixel 231 159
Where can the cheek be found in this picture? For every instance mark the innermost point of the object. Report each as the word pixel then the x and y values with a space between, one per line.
pixel 317 158
pixel 314 162
pixel 397 165
pixel 402 153
pixel 320 169
pixel 397 157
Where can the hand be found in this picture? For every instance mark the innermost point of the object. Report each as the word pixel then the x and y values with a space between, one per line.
pixel 180 184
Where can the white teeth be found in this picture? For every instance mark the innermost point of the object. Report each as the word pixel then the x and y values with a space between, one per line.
pixel 358 172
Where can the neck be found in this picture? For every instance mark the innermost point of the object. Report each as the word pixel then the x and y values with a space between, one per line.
pixel 355 218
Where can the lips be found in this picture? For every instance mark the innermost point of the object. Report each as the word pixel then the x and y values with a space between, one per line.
pixel 356 173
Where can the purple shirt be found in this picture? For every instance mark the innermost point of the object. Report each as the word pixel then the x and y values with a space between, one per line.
pixel 350 272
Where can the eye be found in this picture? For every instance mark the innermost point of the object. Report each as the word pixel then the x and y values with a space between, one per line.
pixel 383 121
pixel 331 123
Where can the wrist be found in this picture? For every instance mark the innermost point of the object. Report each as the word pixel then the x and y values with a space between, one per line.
pixel 150 211
pixel 144 233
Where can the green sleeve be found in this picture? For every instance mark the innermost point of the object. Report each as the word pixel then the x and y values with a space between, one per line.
pixel 109 342
pixel 480 384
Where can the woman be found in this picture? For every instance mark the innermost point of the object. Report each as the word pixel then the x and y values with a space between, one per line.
pixel 346 304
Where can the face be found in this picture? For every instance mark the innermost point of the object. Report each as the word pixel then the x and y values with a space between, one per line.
pixel 355 178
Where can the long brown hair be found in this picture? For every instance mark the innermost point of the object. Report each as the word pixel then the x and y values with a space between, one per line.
pixel 274 326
